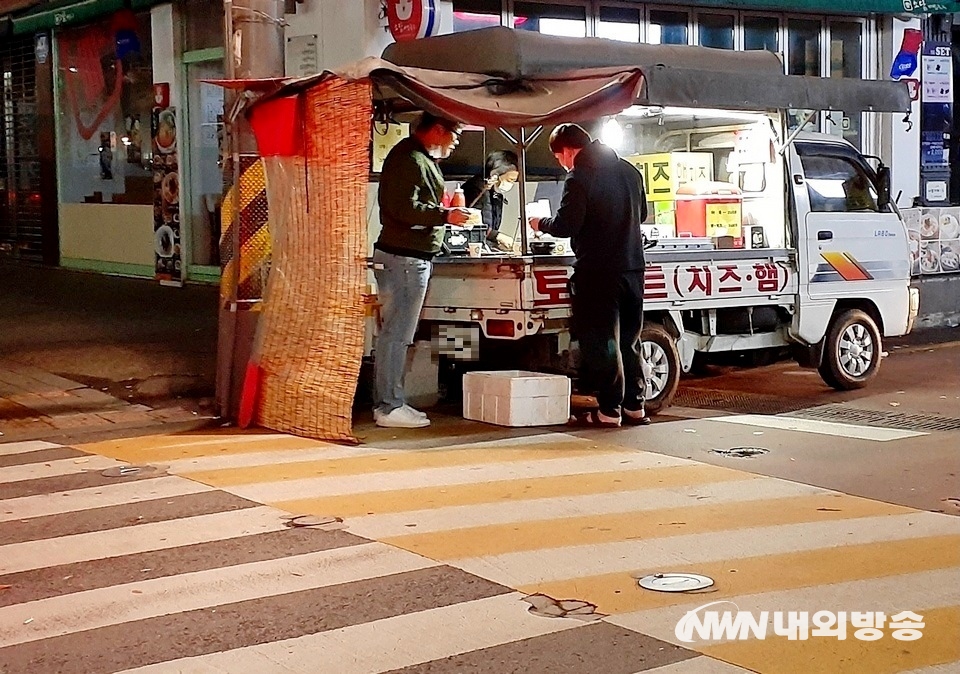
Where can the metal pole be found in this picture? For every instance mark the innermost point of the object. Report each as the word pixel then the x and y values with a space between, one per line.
pixel 522 156
pixel 254 41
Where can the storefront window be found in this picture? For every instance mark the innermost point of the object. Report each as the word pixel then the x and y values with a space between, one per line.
pixel 761 32
pixel 203 24
pixel 205 174
pixel 550 19
pixel 667 27
pixel 619 23
pixel 846 60
pixel 474 14
pixel 105 95
pixel 715 30
pixel 804 42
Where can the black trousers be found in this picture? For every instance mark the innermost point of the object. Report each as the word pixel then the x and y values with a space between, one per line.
pixel 607 320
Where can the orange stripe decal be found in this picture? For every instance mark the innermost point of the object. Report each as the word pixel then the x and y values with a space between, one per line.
pixel 847 266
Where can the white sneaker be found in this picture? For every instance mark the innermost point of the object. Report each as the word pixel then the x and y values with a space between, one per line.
pixel 417 412
pixel 412 410
pixel 402 417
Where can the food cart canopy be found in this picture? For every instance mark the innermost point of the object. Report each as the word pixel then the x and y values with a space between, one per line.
pixel 679 75
pixel 487 101
pixel 520 54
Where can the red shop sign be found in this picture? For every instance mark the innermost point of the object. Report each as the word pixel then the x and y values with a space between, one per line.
pixel 412 19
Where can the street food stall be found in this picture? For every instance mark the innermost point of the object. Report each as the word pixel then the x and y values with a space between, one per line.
pixel 710 141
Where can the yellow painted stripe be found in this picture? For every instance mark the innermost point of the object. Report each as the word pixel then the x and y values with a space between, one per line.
pixel 940 644
pixel 398 461
pixel 502 539
pixel 254 252
pixel 618 593
pixel 193 446
pixel 428 498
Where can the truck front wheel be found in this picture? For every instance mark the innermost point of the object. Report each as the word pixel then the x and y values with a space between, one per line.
pixel 851 354
pixel 660 360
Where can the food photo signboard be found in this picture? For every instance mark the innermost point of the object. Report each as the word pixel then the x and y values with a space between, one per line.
pixel 934 235
pixel 166 204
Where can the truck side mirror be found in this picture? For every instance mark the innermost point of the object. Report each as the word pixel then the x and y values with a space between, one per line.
pixel 883 187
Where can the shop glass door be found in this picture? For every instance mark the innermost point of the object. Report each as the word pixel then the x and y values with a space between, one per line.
pixel 204 173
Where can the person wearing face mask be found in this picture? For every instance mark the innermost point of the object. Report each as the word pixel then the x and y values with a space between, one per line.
pixel 601 209
pixel 486 191
pixel 413 218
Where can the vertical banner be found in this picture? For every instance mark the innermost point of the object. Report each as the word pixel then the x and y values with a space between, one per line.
pixel 166 197
pixel 937 111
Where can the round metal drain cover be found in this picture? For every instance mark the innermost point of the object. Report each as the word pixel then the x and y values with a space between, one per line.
pixel 675 582
pixel 131 471
pixel 742 452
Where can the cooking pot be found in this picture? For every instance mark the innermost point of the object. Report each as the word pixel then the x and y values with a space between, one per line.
pixel 542 247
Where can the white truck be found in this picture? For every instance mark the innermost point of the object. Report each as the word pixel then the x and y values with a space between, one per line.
pixel 832 283
pixel 806 249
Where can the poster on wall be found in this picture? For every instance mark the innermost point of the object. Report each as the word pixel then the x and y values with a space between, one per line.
pixel 934 235
pixel 937 100
pixel 166 198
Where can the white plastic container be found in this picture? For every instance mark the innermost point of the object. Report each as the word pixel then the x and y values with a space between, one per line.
pixel 516 398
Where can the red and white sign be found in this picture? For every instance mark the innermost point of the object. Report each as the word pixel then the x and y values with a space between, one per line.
pixel 412 19
pixel 675 282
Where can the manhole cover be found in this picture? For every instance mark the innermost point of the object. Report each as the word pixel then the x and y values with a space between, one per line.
pixel 741 452
pixel 315 522
pixel 132 471
pixel 675 582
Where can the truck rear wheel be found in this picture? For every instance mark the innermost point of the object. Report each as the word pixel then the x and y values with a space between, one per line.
pixel 851 353
pixel 660 360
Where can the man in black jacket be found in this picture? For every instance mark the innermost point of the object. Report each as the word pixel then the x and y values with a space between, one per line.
pixel 601 210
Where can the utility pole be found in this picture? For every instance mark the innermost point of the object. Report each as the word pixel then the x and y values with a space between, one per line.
pixel 254 32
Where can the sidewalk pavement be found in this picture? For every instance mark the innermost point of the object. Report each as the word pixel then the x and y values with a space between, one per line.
pixel 37 404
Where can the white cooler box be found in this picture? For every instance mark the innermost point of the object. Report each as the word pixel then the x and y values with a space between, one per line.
pixel 516 398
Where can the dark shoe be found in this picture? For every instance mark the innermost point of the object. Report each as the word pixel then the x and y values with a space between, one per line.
pixel 595 419
pixel 636 418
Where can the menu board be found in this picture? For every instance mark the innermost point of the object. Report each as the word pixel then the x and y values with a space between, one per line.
pixel 166 198
pixel 934 235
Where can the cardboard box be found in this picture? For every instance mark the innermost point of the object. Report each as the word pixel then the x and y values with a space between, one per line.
pixel 516 398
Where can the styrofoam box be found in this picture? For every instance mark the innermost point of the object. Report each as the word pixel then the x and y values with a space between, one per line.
pixel 516 398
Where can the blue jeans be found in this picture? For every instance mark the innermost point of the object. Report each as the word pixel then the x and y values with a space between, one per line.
pixel 401 288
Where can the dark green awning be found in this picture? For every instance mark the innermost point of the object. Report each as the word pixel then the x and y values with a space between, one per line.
pixel 49 15
pixel 834 7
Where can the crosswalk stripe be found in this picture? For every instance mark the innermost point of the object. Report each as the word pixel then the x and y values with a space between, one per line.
pixel 36 471
pixel 543 510
pixel 471 497
pixel 9 448
pixel 819 427
pixel 189 592
pixel 227 627
pixel 551 564
pixel 165 448
pixel 917 592
pixel 470 529
pixel 945 668
pixel 384 462
pixel 120 516
pixel 279 457
pixel 43 505
pixel 448 476
pixel 699 665
pixel 940 644
pixel 69 549
pixel 619 593
pixel 383 645
pixel 710 516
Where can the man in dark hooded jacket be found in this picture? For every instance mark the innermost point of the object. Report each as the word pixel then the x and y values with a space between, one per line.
pixel 601 210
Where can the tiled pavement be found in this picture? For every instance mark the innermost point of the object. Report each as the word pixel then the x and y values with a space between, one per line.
pixel 191 567
pixel 37 404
